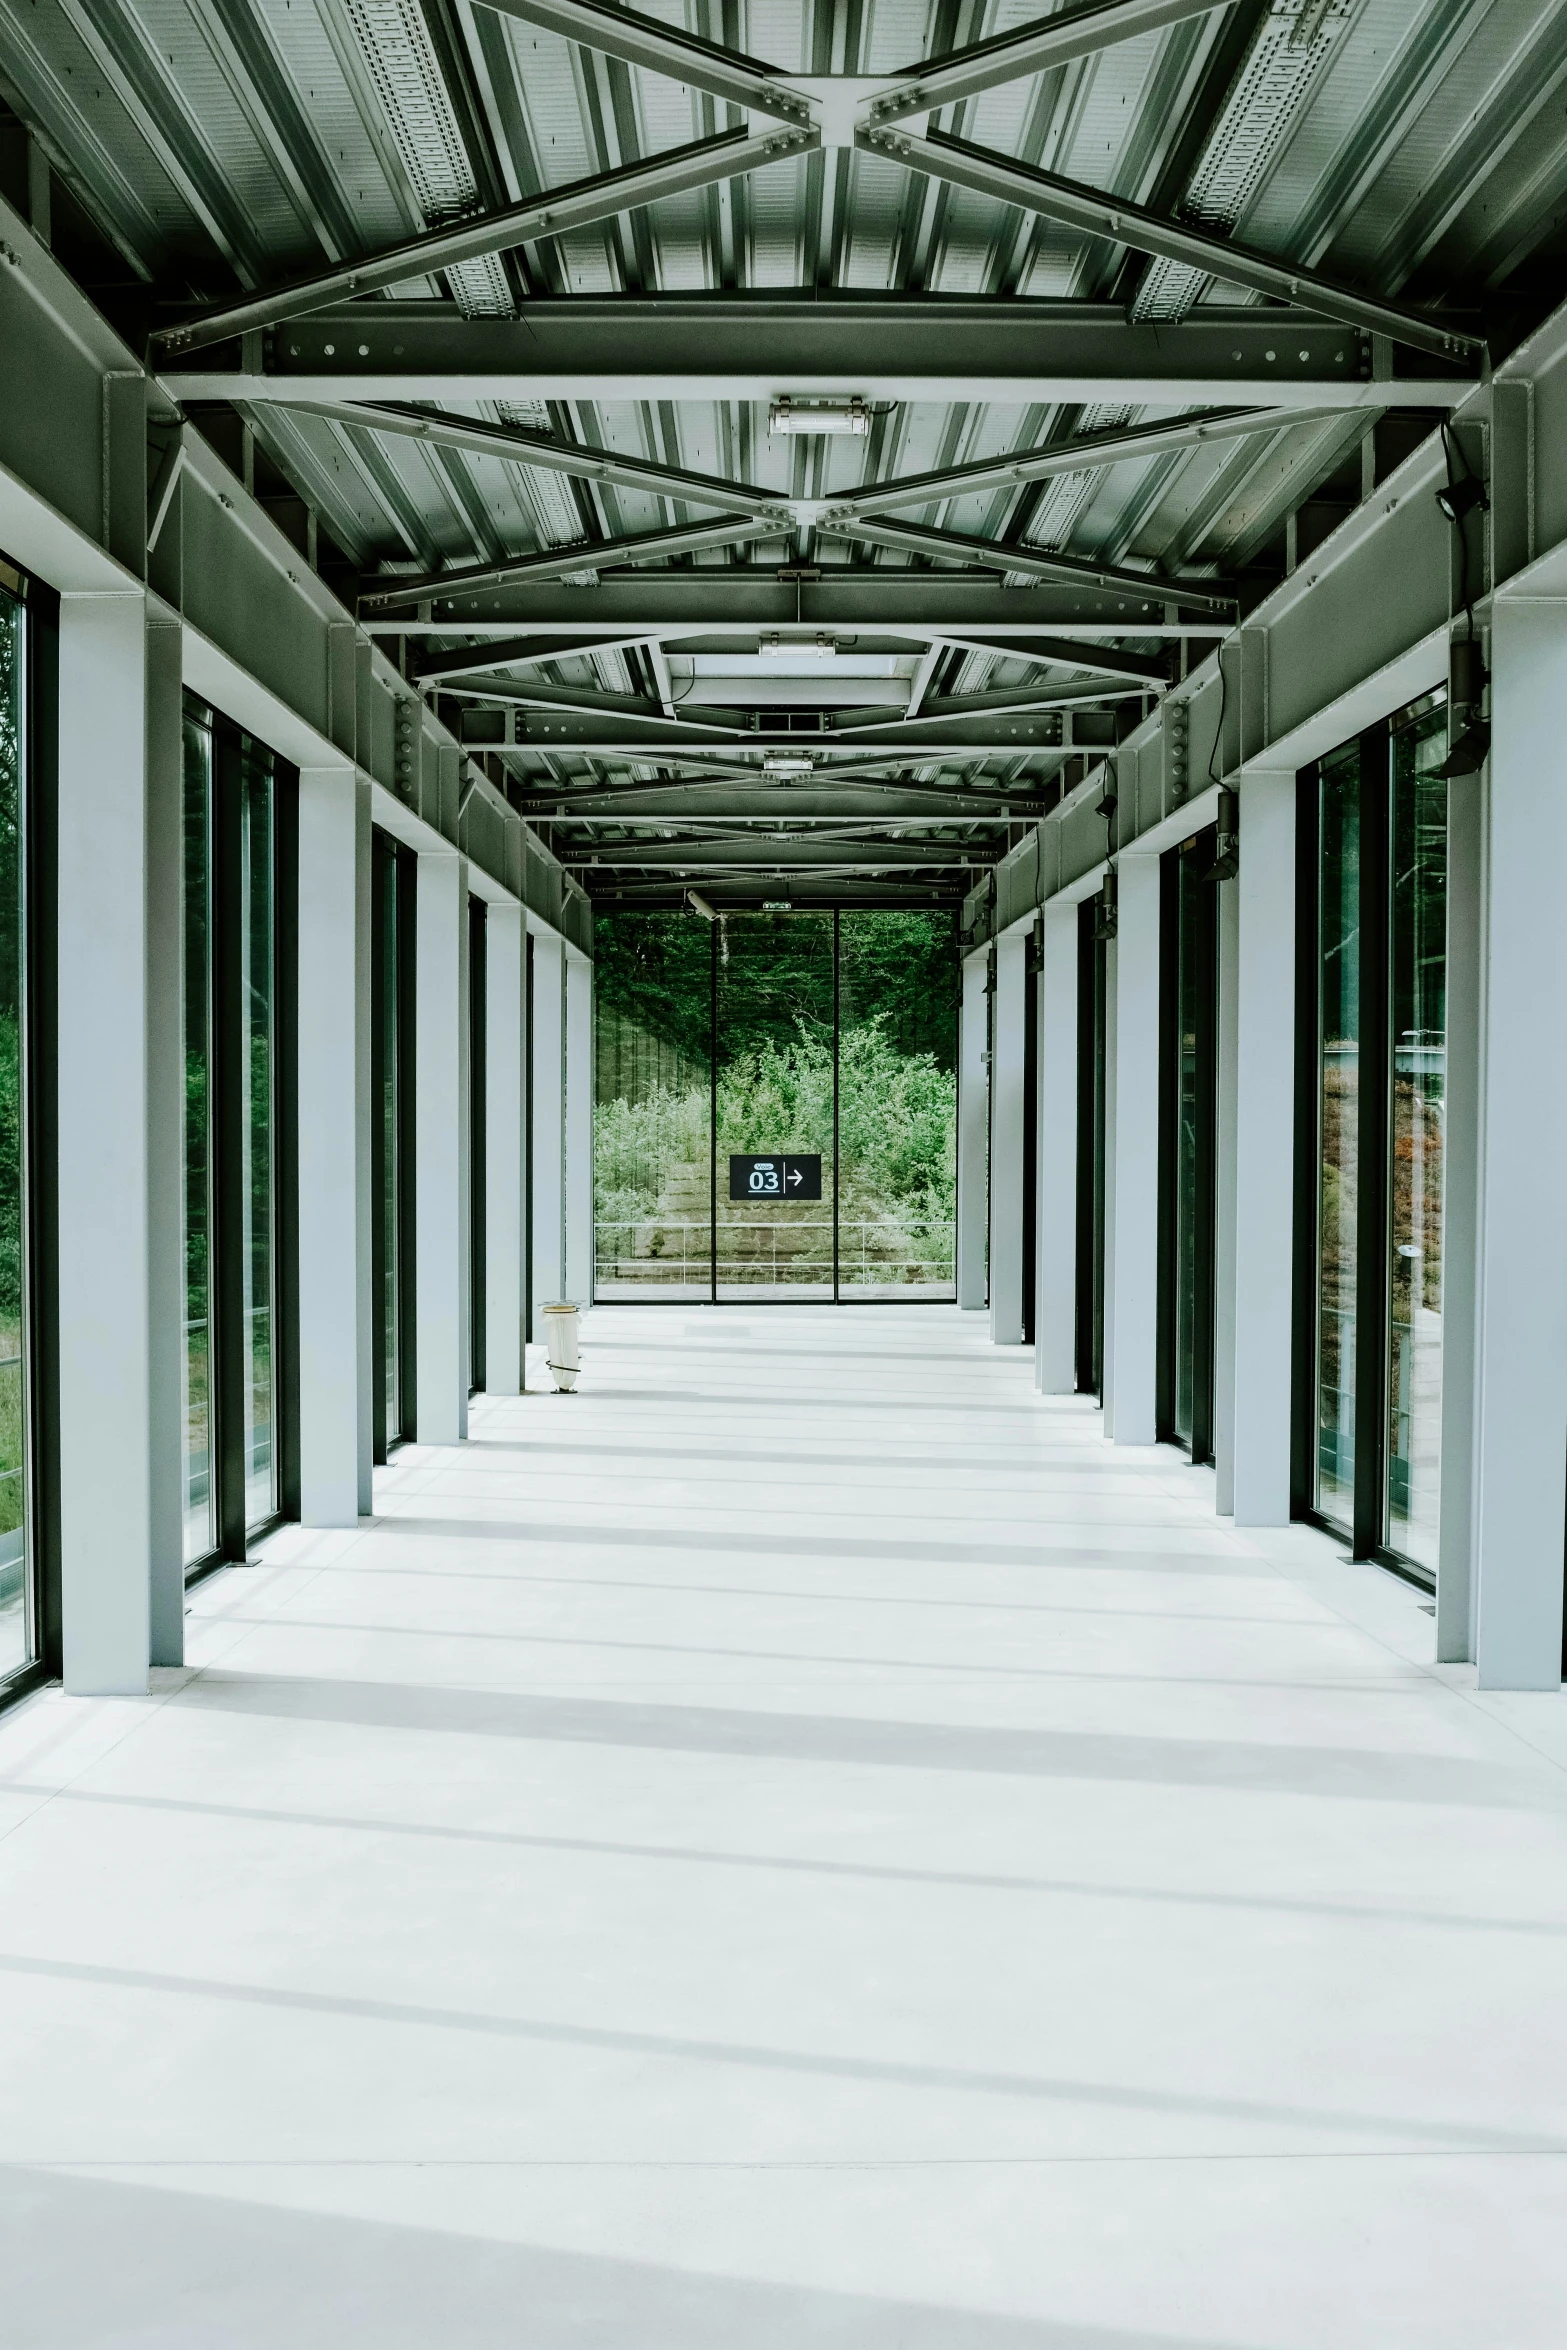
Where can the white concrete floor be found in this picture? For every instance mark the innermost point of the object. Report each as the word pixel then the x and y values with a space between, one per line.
pixel 800 1846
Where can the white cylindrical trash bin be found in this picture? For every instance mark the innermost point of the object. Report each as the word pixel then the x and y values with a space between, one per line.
pixel 560 1346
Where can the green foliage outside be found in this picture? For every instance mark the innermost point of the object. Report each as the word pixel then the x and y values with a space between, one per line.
pixel 897 1083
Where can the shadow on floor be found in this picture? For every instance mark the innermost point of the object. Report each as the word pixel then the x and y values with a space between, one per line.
pixel 182 2271
pixel 1348 1773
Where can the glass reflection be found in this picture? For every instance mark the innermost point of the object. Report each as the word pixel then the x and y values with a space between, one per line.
pixel 200 1527
pixel 16 1643
pixel 256 1202
pixel 1338 947
pixel 1418 1014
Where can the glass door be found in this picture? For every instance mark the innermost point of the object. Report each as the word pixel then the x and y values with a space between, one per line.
pixel 775 1106
pixel 478 1253
pixel 898 1101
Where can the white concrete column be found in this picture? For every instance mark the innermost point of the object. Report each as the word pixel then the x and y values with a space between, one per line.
pixel 1132 1354
pixel 1055 1321
pixel 579 1129
pixel 1522 1448
pixel 973 1134
pixel 106 1351
pixel 1456 1583
pixel 1007 1089
pixel 1227 1007
pixel 441 1149
pixel 1264 1150
pixel 165 1138
pixel 505 935
pixel 336 1368
pixel 548 1015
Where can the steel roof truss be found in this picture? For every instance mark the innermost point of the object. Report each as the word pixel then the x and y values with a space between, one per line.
pixel 1029 49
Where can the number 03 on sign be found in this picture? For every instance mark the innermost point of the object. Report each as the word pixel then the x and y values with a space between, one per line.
pixel 778 1176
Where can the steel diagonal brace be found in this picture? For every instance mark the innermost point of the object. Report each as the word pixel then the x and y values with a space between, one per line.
pixel 557 562
pixel 663 48
pixel 557 455
pixel 1079 455
pixel 1029 562
pixel 550 214
pixel 1028 49
pixel 1093 213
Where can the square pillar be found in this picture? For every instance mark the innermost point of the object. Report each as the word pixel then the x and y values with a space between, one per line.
pixel 166 1136
pixel 1227 1012
pixel 120 1126
pixel 579 1130
pixel 441 1149
pixel 1132 1345
pixel 336 1366
pixel 504 1013
pixel 1007 1090
pixel 1055 1323
pixel 1264 1152
pixel 973 1133
pixel 1521 1454
pixel 548 1014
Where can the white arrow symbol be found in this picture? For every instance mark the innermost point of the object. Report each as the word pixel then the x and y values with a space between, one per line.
pixel 794 1176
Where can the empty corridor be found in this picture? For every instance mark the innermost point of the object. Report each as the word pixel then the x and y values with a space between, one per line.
pixel 800 1846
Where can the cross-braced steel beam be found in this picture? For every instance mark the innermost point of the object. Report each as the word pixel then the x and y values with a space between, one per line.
pixel 552 214
pixel 518 652
pixel 1091 212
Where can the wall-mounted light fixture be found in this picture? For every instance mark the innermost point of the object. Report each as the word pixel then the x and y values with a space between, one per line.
pixel 1107 916
pixel 791 415
pixel 1227 836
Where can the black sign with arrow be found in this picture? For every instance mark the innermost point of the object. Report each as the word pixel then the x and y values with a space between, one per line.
pixel 778 1176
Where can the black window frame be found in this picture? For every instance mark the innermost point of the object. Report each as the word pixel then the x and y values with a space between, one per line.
pixel 1366 1529
pixel 1092 1103
pixel 1198 854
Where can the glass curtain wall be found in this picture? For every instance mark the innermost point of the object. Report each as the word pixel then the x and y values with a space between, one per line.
pixel 18 1612
pixel 1417 1000
pixel 1377 817
pixel 739 1060
pixel 198 1418
pixel 233 1130
pixel 899 977
pixel 393 881
pixel 1187 1134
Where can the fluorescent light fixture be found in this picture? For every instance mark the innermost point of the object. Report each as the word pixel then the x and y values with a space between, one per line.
pixel 789 648
pixel 781 763
pixel 788 414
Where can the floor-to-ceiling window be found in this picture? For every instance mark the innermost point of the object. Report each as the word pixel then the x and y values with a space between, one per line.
pixel 1375 889
pixel 775 1105
pixel 1417 1004
pixel 393 882
pixel 19 1628
pixel 1189 919
pixel 235 1125
pixel 198 1419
